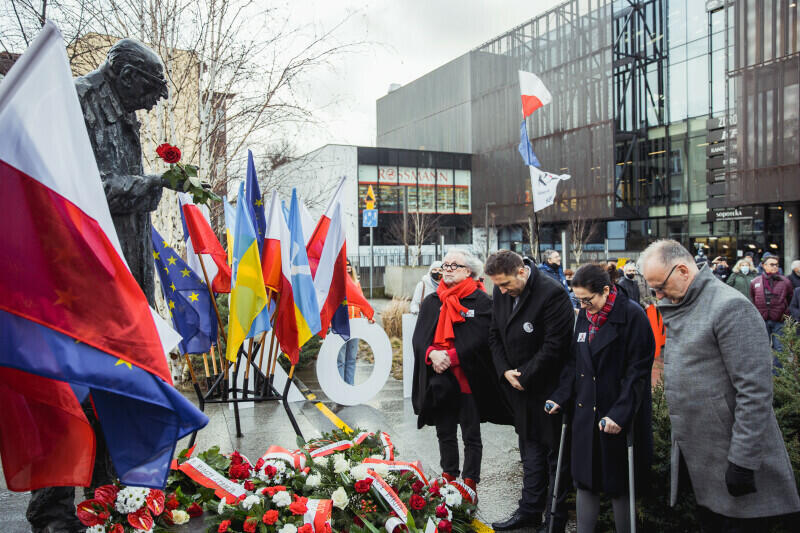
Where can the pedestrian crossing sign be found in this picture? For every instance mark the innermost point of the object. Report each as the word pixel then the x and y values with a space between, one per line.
pixel 369 218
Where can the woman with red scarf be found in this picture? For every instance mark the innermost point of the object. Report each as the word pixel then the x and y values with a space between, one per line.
pixel 607 384
pixel 454 379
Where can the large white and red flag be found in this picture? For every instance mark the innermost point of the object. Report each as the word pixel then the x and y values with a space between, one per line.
pixel 204 241
pixel 534 93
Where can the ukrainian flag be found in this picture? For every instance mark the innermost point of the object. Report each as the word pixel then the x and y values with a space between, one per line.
pixel 248 294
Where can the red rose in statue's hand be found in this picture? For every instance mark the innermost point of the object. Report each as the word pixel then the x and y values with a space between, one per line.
pixel 417 486
pixel 305 528
pixel 141 519
pixel 223 526
pixel 92 512
pixel 363 485
pixel 249 485
pixel 106 494
pixel 194 510
pixel 270 517
pixel 155 502
pixel 417 502
pixel 117 528
pixel 167 152
pixel 250 524
pixel 441 511
pixel 445 526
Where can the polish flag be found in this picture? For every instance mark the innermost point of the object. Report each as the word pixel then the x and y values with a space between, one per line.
pixel 330 280
pixel 271 253
pixel 204 241
pixel 316 243
pixel 534 93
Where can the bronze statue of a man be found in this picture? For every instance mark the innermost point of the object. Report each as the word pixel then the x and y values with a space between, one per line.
pixel 131 78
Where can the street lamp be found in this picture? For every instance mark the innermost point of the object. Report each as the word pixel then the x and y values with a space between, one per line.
pixel 486 223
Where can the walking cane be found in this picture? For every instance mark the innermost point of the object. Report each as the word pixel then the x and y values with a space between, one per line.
pixel 549 406
pixel 631 483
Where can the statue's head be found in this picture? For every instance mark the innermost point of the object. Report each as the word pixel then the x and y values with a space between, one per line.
pixel 137 74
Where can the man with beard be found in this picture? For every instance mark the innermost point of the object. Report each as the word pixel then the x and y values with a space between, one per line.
pixel 454 380
pixel 530 338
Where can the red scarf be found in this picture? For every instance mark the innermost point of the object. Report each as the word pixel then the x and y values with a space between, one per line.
pixel 452 311
pixel 597 320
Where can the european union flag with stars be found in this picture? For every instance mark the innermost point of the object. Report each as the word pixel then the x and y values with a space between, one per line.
pixel 187 298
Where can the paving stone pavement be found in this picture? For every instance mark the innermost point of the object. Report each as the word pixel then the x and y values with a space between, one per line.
pixel 267 424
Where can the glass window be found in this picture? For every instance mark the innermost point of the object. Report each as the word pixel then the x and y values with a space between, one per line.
pixel 463 201
pixel 444 191
pixel 697 168
pixel 718 81
pixel 427 190
pixel 387 174
pixel 389 198
pixel 697 48
pixel 676 19
pixel 697 72
pixel 677 54
pixel 367 174
pixel 696 20
pixel 717 20
pixel 677 92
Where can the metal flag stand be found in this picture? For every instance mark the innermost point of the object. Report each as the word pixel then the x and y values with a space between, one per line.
pixel 222 388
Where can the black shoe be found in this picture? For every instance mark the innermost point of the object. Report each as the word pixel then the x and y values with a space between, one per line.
pixel 518 520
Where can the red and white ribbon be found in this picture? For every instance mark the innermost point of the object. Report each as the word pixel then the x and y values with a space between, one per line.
pixel 400 466
pixel 389 495
pixel 393 523
pixel 318 514
pixel 430 527
pixel 465 491
pixel 206 476
pixel 388 447
pixel 332 448
pixel 174 464
pixel 362 436
pixel 297 460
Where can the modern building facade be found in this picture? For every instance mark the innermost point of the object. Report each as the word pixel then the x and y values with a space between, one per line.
pixel 675 118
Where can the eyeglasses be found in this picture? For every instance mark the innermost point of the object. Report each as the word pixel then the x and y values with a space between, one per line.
pixel 587 300
pixel 158 80
pixel 452 266
pixel 660 288
pixel 773 265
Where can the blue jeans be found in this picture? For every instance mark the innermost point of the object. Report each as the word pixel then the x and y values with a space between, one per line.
pixel 775 329
pixel 346 361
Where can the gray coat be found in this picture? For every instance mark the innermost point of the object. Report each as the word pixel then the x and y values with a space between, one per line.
pixel 718 384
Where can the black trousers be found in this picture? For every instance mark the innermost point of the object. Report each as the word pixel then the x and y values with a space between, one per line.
pixel 538 478
pixel 447 424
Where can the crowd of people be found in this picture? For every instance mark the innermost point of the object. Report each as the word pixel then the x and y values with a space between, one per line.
pixel 551 350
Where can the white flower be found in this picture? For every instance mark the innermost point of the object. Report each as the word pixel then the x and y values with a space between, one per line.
pixel 131 499
pixel 313 480
pixel 221 506
pixel 359 472
pixel 381 469
pixel 341 465
pixel 250 501
pixel 180 517
pixel 340 498
pixel 282 499
pixel 96 529
pixel 453 499
pixel 288 528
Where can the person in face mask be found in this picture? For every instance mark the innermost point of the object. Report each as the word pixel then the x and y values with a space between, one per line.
pixel 426 286
pixel 628 282
pixel 743 273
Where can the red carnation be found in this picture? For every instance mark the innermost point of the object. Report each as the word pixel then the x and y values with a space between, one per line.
pixel 240 471
pixel 249 485
pixel 194 510
pixel 92 512
pixel 298 506
pixel 141 519
pixel 250 524
pixel 223 526
pixel 445 526
pixel 106 494
pixel 417 487
pixel 441 511
pixel 167 152
pixel 271 491
pixel 117 528
pixel 172 503
pixel 434 490
pixel 260 463
pixel 305 528
pixel 270 517
pixel 417 502
pixel 270 471
pixel 363 485
pixel 155 502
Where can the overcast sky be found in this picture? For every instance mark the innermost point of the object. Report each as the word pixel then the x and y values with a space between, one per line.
pixel 404 40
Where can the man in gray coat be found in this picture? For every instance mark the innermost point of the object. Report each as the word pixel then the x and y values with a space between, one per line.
pixel 718 384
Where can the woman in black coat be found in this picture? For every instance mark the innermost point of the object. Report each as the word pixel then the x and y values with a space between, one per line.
pixel 608 385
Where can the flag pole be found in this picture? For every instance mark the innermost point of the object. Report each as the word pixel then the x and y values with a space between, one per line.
pixel 249 358
pixel 213 299
pixel 264 334
pixel 214 360
pixel 205 364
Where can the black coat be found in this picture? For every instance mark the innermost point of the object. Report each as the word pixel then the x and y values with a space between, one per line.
pixel 630 288
pixel 534 339
pixel 610 377
pixel 472 346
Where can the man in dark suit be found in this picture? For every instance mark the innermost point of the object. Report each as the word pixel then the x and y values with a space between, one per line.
pixel 530 338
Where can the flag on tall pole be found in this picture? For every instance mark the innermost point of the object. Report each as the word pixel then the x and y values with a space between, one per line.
pixel 73 320
pixel 330 280
pixel 193 259
pixel 187 297
pixel 248 295
pixel 317 240
pixel 254 201
pixel 298 311
pixel 525 148
pixel 205 242
pixel 271 254
pixel 533 92
pixel 544 185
